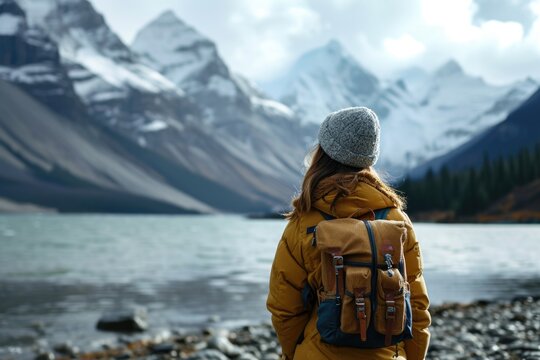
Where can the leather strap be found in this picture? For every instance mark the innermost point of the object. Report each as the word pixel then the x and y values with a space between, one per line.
pixel 334 273
pixel 337 261
pixel 390 317
pixel 360 301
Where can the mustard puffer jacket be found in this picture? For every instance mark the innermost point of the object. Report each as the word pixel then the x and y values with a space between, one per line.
pixel 297 262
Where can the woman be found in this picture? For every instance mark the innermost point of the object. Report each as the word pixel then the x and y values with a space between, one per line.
pixel 339 181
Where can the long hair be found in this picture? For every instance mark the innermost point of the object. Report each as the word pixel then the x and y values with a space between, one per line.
pixel 325 175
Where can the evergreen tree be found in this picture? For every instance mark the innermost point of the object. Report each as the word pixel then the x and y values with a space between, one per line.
pixel 473 190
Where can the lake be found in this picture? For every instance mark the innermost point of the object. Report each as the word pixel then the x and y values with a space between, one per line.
pixel 59 273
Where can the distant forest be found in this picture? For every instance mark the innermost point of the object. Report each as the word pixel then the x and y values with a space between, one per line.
pixel 468 192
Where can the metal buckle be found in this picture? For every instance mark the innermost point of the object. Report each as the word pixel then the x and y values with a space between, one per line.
pixel 389 264
pixel 338 262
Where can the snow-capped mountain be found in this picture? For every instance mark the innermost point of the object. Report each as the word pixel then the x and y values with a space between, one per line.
pixel 423 115
pixel 456 106
pixel 259 158
pixel 30 59
pixel 323 80
pixel 261 131
pixel 520 130
pixel 52 155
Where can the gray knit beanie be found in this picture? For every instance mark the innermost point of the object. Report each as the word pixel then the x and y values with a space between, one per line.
pixel 351 136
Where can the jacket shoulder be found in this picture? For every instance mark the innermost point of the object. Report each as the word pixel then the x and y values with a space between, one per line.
pixel 299 239
pixel 399 215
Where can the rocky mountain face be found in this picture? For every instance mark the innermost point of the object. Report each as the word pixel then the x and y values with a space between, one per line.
pixel 324 80
pixel 423 115
pixel 262 132
pixel 30 59
pixel 520 129
pixel 54 154
pixel 234 153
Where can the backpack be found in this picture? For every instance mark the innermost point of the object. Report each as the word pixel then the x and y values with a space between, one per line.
pixel 364 301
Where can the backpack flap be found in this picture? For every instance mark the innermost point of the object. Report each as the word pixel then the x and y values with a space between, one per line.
pixel 356 311
pixel 337 239
pixel 389 236
pixel 391 285
pixel 347 234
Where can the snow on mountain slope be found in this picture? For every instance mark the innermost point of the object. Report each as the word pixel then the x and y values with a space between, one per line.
pixel 30 59
pixel 262 132
pixel 423 115
pixel 105 73
pixel 183 55
pixel 51 161
pixel 519 130
pixel 457 106
pixel 192 61
pixel 324 80
pixel 135 102
pixel 66 148
pixel 84 38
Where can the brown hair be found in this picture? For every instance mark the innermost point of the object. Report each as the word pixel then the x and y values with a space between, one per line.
pixel 325 175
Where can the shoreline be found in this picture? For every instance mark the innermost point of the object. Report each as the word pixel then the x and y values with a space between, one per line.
pixel 480 330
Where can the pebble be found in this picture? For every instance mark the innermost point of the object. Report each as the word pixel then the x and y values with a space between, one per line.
pixel 223 344
pixel 208 354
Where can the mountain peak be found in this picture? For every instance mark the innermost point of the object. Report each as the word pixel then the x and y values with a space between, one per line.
pixel 12 18
pixel 334 45
pixel 168 30
pixel 451 67
pixel 168 17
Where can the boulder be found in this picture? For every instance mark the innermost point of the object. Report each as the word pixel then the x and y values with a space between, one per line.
pixel 124 321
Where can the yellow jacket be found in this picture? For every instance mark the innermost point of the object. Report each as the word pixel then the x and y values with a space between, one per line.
pixel 297 262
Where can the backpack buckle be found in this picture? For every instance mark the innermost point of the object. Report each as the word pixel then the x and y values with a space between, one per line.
pixel 360 304
pixel 338 262
pixel 389 264
pixel 390 309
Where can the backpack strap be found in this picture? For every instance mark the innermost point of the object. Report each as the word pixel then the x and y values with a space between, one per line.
pixel 381 214
pixel 311 229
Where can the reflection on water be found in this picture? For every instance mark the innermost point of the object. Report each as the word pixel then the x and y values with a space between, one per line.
pixel 58 273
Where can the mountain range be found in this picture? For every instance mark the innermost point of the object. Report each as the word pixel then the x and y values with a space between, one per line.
pixel 82 71
pixel 89 123
pixel 520 130
pixel 423 114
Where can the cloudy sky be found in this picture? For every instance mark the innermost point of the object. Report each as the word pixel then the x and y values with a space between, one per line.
pixel 496 39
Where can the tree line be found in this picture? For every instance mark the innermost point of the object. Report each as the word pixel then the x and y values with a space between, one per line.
pixel 470 191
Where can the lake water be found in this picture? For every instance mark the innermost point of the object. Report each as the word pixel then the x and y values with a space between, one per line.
pixel 58 273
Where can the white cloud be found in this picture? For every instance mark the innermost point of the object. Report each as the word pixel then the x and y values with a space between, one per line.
pixel 403 47
pixel 261 38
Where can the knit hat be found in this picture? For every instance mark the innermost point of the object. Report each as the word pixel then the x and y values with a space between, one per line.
pixel 351 136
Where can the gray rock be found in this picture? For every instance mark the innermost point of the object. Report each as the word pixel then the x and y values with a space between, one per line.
pixel 208 354
pixel 124 321
pixel 165 348
pixel 247 356
pixel 270 356
pixel 124 356
pixel 223 344
pixel 48 355
pixel 66 349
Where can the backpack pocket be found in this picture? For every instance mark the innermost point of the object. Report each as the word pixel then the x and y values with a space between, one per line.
pixel 356 307
pixel 390 313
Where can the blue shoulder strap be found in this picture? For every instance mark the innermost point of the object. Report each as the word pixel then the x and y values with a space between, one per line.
pixel 381 214
pixel 311 229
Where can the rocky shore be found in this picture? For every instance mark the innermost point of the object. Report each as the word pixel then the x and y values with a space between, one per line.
pixel 481 330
